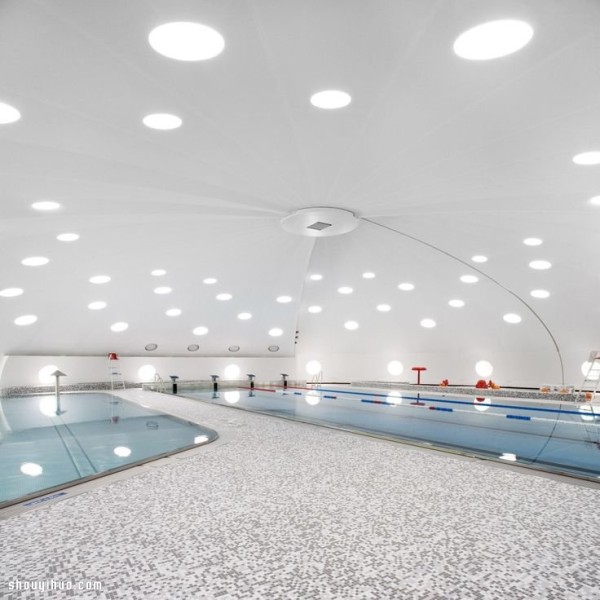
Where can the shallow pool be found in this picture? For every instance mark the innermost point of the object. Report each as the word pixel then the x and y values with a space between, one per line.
pixel 44 445
pixel 557 437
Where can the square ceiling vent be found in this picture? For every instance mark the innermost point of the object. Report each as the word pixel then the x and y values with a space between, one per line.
pixel 319 226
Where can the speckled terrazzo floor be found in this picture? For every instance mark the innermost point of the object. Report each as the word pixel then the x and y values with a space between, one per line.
pixel 279 509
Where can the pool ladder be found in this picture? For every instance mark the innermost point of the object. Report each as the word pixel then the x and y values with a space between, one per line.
pixel 592 377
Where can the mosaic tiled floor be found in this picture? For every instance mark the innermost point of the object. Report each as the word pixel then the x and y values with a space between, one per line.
pixel 283 510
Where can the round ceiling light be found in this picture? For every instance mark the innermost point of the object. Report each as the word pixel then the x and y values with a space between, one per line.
pixel 540 265
pixel 351 325
pixel 10 292
pixel 532 241
pixel 469 278
pixel 162 121
pixel 493 39
pixel 186 41
pixel 345 290
pixel 594 201
pixel 539 293
pixel 173 312
pixel 99 279
pixel 163 290
pixel 284 299
pixel 224 297
pixel 67 237
pixel 512 318
pixel 200 330
pixel 234 348
pixel 428 323
pixel 314 309
pixel 456 303
pixel 273 348
pixel 406 287
pixel 209 281
pixel 150 348
pixel 368 275
pixel 25 320
pixel 97 305
pixel 275 332
pixel 45 205
pixel 479 258
pixel 119 326
pixel 35 261
pixel 158 272
pixel 587 158
pixel 193 348
pixel 244 316
pixel 330 99
pixel 8 114
pixel 316 277
pixel 384 307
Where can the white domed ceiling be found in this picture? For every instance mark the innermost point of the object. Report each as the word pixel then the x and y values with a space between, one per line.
pixel 441 158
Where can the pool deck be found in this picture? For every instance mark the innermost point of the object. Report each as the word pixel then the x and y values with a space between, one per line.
pixel 277 509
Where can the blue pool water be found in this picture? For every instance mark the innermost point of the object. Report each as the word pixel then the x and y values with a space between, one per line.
pixel 43 446
pixel 557 437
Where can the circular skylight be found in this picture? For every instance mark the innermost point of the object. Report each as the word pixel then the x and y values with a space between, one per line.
pixel 540 265
pixel 163 121
pixel 193 348
pixel 314 309
pixel 186 41
pixel 11 292
pixel 540 293
pixel 428 323
pixel 244 316
pixel 25 320
pixel 368 275
pixel 8 114
pixel 97 305
pixel 493 39
pixel 456 303
pixel 31 469
pixel 316 277
pixel 587 158
pixel 173 312
pixel 484 368
pixel 345 290
pixel 200 330
pixel 98 279
pixel 406 287
pixel 395 367
pixel 158 272
pixel 330 99
pixel 67 237
pixel 223 297
pixel 122 451
pixel 479 258
pixel 532 241
pixel 45 205
pixel 35 261
pixel 275 332
pixel 209 281
pixel 351 325
pixel 384 307
pixel 594 201
pixel 119 326
pixel 163 290
pixel 284 299
pixel 469 278
pixel 512 318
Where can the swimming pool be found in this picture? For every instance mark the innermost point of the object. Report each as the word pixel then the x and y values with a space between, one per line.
pixel 44 446
pixel 552 436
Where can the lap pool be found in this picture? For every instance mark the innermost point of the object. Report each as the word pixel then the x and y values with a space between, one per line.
pixel 45 446
pixel 552 436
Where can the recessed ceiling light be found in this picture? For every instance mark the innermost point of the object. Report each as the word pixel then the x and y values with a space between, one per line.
pixel 209 281
pixel 493 39
pixel 540 265
pixel 8 114
pixel 193 348
pixel 368 275
pixel 163 121
pixel 275 332
pixel 273 348
pixel 428 323
pixel 186 41
pixel 158 272
pixel 479 258
pixel 456 303
pixel 587 158
pixel 224 296
pixel 150 348
pixel 67 237
pixel 97 305
pixel 469 278
pixel 330 99
pixel 98 279
pixel 532 241
pixel 120 326
pixel 314 309
pixel 25 320
pixel 173 312
pixel 244 316
pixel 10 292
pixel 35 261
pixel 284 299
pixel 200 330
pixel 45 205
pixel 594 201
pixel 512 318
pixel 540 293
pixel 384 307
pixel 163 290
pixel 345 290
pixel 316 277
pixel 351 325
pixel 406 287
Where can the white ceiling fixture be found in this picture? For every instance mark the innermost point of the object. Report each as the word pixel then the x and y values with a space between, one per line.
pixel 330 99
pixel 368 275
pixel 99 279
pixel 456 303
pixel 25 320
pixel 540 293
pixel 45 205
pixel 244 316
pixel 11 292
pixel 316 277
pixel 201 330
pixel 275 332
pixel 186 41
pixel 162 121
pixel 173 312
pixel 479 258
pixel 406 287
pixel 320 222
pixel 532 241
pixel 469 278
pixel 209 281
pixel 119 326
pixel 67 237
pixel 35 261
pixel 158 272
pixel 284 299
pixel 314 309
pixel 345 290
pixel 8 114
pixel 587 158
pixel 97 305
pixel 594 200
pixel 351 325
pixel 163 290
pixel 224 297
pixel 512 318
pixel 493 39
pixel 428 323
pixel 540 265
pixel 384 307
